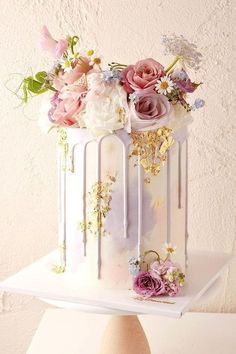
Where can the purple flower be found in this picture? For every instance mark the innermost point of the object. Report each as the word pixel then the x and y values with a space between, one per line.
pixel 182 80
pixel 110 75
pixel 159 269
pixel 150 112
pixel 55 100
pixel 172 288
pixel 147 286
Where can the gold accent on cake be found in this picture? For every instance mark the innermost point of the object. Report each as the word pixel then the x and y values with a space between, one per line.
pixel 60 268
pixel 57 268
pixel 151 147
pixel 98 200
pixel 63 144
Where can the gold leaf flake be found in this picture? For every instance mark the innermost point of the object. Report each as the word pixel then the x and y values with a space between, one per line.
pixel 98 200
pixel 151 147
pixel 58 268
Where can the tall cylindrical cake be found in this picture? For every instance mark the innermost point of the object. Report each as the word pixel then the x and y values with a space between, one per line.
pixel 111 211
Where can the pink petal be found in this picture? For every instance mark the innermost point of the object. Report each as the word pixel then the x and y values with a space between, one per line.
pixel 61 47
pixel 55 48
pixel 46 41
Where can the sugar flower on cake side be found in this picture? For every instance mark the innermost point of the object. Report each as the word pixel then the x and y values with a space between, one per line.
pixel 154 276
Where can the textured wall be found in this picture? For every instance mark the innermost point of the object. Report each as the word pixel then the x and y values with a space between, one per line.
pixel 123 31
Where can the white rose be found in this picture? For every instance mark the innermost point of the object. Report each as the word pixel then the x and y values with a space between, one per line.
pixel 106 108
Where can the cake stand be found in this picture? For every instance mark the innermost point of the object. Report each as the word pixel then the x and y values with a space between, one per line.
pixel 59 290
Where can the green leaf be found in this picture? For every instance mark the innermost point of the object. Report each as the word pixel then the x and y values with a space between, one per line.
pixel 25 93
pixel 33 85
pixel 40 76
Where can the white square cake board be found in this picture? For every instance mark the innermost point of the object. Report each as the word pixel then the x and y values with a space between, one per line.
pixel 38 280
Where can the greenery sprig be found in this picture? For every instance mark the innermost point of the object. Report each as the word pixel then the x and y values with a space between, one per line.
pixel 37 84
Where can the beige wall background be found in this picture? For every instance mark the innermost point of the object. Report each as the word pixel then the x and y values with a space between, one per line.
pixel 124 31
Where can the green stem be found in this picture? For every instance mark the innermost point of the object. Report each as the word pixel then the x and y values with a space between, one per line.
pixel 151 251
pixel 74 41
pixel 175 61
pixel 167 257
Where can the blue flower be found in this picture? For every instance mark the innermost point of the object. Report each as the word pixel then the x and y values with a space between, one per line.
pixel 109 75
pixel 182 75
pixel 134 267
pixel 199 103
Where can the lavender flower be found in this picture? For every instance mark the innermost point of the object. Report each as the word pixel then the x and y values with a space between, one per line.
pixel 110 75
pixel 147 286
pixel 172 288
pixel 198 103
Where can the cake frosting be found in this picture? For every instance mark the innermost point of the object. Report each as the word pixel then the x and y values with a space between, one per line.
pixel 142 216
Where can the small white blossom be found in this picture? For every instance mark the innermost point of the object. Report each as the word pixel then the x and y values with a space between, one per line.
pixel 73 57
pixel 181 47
pixel 66 65
pixel 164 85
pixel 169 248
pixel 134 97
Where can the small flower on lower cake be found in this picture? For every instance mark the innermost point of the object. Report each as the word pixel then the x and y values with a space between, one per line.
pixel 147 286
pixel 134 267
pixel 156 276
pixel 172 288
pixel 160 268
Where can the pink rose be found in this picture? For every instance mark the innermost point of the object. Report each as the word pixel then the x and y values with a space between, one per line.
pixel 62 79
pixel 147 286
pixel 151 111
pixel 67 105
pixel 142 75
pixel 55 48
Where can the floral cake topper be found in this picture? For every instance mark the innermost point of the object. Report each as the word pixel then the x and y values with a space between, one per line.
pixel 139 98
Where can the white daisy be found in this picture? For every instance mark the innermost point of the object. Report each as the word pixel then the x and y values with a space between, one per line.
pixel 73 57
pixel 66 65
pixel 168 248
pixel 164 85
